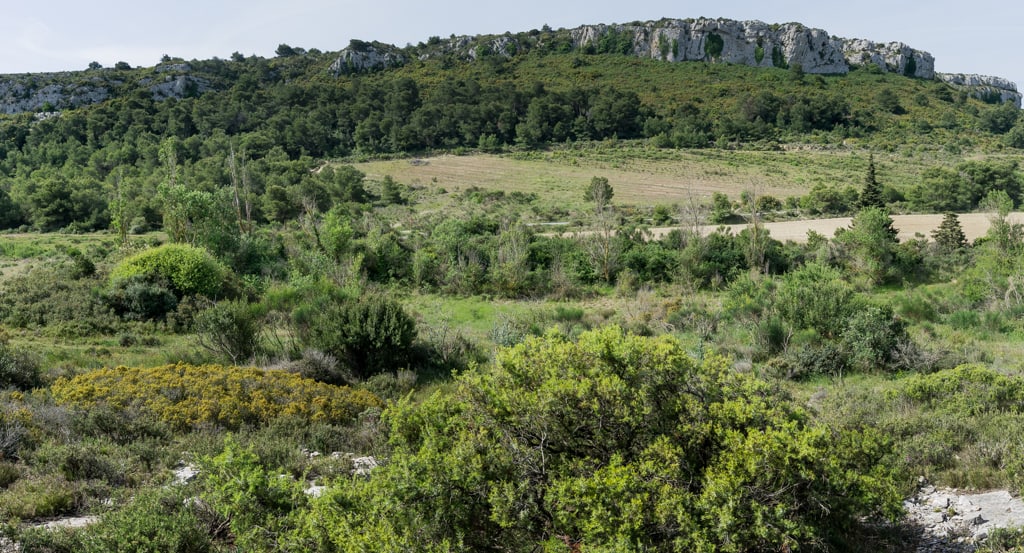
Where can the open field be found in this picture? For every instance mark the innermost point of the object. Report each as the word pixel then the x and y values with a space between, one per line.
pixel 648 176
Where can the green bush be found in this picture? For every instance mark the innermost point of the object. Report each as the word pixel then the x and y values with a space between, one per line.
pixel 230 329
pixel 369 335
pixel 871 338
pixel 38 498
pixel 141 297
pixel 154 521
pixel 628 431
pixel 48 297
pixel 18 369
pixel 188 270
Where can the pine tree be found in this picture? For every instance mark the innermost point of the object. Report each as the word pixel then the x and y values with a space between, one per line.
pixel 949 237
pixel 871 195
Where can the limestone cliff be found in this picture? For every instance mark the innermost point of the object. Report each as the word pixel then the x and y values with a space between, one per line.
pixel 753 43
pixel 984 87
pixel 759 44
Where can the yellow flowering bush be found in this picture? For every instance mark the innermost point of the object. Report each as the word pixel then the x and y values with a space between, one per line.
pixel 185 396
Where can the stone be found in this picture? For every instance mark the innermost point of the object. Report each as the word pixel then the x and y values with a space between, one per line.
pixel 983 86
pixel 185 473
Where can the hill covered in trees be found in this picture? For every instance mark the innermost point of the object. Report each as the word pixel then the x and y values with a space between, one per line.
pixel 79 142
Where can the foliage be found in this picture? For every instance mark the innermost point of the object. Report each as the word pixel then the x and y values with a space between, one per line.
pixel 154 521
pixel 230 329
pixel 816 297
pixel 49 297
pixel 185 396
pixel 188 270
pixel 141 297
pixel 964 187
pixel 652 450
pixel 949 236
pixel 18 369
pixel 369 335
pixel 256 503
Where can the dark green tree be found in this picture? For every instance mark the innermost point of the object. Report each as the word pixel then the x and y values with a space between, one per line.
pixel 949 237
pixel 871 195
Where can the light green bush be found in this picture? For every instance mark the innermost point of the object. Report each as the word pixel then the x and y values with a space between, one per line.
pixel 189 270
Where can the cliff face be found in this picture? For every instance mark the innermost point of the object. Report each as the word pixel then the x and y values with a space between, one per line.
pixel 760 45
pixel 752 43
pixel 984 87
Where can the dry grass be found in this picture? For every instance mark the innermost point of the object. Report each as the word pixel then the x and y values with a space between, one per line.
pixel 647 176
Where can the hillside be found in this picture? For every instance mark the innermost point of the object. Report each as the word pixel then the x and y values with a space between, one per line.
pixel 109 132
pixel 546 291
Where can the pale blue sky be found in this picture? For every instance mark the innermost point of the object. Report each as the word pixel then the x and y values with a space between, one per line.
pixel 979 36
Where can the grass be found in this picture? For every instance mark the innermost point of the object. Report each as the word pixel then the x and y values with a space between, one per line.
pixel 643 176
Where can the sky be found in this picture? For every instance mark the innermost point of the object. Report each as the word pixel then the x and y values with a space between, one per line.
pixel 978 36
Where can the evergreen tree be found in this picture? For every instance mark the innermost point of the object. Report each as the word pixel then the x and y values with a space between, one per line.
pixel 949 237
pixel 871 195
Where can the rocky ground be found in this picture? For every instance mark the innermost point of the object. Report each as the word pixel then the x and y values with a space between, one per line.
pixel 953 521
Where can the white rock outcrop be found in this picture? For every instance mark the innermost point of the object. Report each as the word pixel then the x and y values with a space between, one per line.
pixel 759 44
pixel 983 86
pixel 363 56
pixel 953 521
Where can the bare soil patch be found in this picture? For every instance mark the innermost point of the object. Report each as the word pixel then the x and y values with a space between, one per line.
pixel 975 225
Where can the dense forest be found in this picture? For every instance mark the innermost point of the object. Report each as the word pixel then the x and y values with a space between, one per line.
pixel 220 331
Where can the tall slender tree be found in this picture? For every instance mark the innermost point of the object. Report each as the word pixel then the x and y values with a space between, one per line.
pixel 871 195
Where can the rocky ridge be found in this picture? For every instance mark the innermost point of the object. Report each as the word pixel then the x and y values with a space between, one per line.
pixel 752 43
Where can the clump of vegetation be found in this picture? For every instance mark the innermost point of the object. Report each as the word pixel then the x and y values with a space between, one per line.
pixel 186 270
pixel 186 396
pixel 631 432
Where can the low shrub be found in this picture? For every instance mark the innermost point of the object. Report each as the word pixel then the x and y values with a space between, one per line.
pixel 230 329
pixel 18 368
pixel 369 335
pixel 966 390
pixel 141 297
pixel 30 498
pixel 185 396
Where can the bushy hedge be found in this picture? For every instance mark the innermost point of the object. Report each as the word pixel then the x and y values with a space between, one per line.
pixel 186 396
pixel 187 269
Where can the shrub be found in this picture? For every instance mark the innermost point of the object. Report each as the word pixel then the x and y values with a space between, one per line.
pixel 631 433
pixel 37 498
pixel 370 335
pixel 322 367
pixel 185 396
pixel 49 297
pixel 154 521
pixel 188 270
pixel 967 390
pixel 141 297
pixel 871 338
pixel 18 369
pixel 230 329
